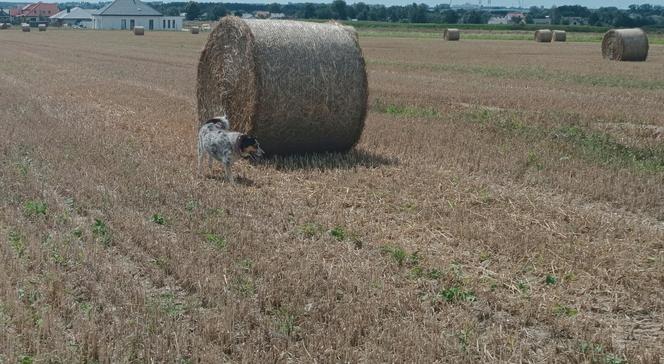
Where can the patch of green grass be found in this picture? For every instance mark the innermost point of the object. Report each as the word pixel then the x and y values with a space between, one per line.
pixel 16 242
pixel 25 359
pixel 597 354
pixel 246 264
pixel 77 232
pixel 551 280
pixel 286 321
pixel 405 110
pixel 457 294
pixel 420 272
pixel 563 310
pixel 397 254
pixel 168 304
pixel 244 286
pixel 338 233
pixel 101 232
pixel 533 160
pixel 604 149
pixel 311 230
pixel 216 241
pixel 536 73
pixel 35 208
pixel 158 219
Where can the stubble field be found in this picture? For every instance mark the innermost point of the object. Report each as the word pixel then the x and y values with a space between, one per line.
pixel 504 205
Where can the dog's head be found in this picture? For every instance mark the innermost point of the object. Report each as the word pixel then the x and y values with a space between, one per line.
pixel 249 147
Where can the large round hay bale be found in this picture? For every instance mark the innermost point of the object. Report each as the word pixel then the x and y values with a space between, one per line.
pixel 194 30
pixel 139 30
pixel 451 34
pixel 42 27
pixel 625 45
pixel 25 27
pixel 299 87
pixel 543 35
pixel 559 36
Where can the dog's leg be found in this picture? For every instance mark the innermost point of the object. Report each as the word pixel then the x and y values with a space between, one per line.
pixel 229 173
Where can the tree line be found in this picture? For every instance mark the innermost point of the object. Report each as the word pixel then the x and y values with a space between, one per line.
pixel 634 16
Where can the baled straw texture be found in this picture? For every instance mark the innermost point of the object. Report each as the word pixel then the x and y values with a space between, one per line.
pixel 25 27
pixel 559 36
pixel 42 27
pixel 195 30
pixel 625 45
pixel 139 30
pixel 451 34
pixel 543 35
pixel 298 87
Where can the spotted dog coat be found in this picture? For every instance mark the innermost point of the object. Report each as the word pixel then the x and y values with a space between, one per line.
pixel 218 142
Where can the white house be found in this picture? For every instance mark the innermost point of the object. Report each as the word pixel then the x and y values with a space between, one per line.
pixel 127 14
pixel 72 17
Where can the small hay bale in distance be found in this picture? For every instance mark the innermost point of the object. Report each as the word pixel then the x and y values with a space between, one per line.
pixel 298 87
pixel 543 35
pixel 625 45
pixel 25 27
pixel 559 36
pixel 195 30
pixel 42 27
pixel 451 34
pixel 139 30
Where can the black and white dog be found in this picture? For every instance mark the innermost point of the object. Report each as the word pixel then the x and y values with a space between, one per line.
pixel 215 139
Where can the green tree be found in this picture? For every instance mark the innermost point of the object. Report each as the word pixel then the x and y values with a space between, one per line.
pixel 193 10
pixel 339 9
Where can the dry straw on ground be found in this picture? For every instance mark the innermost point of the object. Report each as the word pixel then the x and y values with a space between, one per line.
pixel 299 87
pixel 42 27
pixel 139 30
pixel 194 30
pixel 451 34
pixel 625 45
pixel 543 35
pixel 25 27
pixel 559 36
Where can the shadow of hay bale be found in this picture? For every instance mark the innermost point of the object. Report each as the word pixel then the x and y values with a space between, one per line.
pixel 328 161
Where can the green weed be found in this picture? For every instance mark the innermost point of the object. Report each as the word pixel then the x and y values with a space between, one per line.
pixel 34 208
pixel 158 219
pixel 563 310
pixel 16 242
pixel 457 294
pixel 216 241
pixel 101 232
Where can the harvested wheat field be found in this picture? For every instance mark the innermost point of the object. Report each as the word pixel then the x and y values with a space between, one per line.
pixel 504 204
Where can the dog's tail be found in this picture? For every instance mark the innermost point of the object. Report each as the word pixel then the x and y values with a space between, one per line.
pixel 220 121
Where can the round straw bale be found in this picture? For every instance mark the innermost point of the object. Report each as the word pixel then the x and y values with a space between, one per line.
pixel 543 35
pixel 298 87
pixel 625 45
pixel 451 34
pixel 42 27
pixel 25 27
pixel 195 30
pixel 559 36
pixel 139 30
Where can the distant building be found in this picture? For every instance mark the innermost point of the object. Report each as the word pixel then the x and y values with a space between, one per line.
pixel 508 19
pixel 574 20
pixel 4 16
pixel 262 14
pixel 33 13
pixel 127 14
pixel 542 21
pixel 73 17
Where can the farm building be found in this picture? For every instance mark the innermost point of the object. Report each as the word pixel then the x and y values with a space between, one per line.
pixel 127 14
pixel 33 13
pixel 73 17
pixel 4 16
